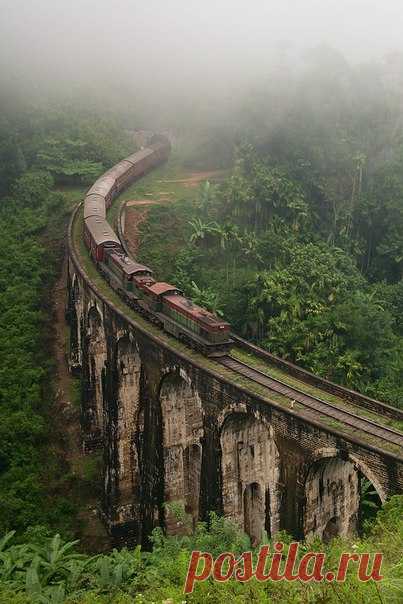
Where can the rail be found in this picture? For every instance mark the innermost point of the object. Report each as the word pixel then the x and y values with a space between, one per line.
pixel 314 403
pixel 326 385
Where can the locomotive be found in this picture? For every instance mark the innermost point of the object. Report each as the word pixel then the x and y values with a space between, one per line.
pixel 162 303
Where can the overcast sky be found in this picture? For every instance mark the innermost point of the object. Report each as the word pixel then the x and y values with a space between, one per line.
pixel 185 39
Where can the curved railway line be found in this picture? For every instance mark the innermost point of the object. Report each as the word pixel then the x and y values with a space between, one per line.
pixel 313 403
pixel 103 243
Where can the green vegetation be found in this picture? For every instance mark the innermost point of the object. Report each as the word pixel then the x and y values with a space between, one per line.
pixel 30 251
pixel 290 291
pixel 74 146
pixel 47 570
pixel 36 197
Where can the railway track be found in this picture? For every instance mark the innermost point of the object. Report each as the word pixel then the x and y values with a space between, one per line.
pixel 313 403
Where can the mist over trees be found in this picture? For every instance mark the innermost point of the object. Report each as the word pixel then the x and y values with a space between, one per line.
pixel 301 247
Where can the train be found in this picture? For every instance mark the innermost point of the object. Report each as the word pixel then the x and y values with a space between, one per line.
pixel 161 303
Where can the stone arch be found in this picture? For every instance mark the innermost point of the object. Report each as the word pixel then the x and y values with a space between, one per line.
pixel 75 289
pixel 368 473
pixel 182 432
pixel 324 453
pixel 332 493
pixel 331 497
pixel 93 378
pixel 250 474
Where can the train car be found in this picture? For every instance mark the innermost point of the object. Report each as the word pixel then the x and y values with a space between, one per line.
pixel 155 292
pixel 122 174
pixel 162 148
pixel 94 205
pixel 125 274
pixel 99 236
pixel 105 187
pixel 142 161
pixel 160 139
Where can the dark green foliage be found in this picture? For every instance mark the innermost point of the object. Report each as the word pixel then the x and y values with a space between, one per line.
pixel 73 146
pixel 12 161
pixel 27 270
pixel 299 282
pixel 37 148
pixel 66 159
pixel 48 570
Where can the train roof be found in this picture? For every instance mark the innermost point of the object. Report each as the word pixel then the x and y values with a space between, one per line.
pixel 94 205
pixel 102 186
pixel 139 155
pixel 101 231
pixel 129 266
pixel 201 315
pixel 160 288
pixel 119 169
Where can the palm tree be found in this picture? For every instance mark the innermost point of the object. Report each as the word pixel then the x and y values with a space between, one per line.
pixel 200 229
pixel 369 500
pixel 206 298
pixel 249 243
pixel 205 197
pixel 222 233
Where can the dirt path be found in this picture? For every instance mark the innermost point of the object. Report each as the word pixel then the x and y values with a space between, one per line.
pixel 144 202
pixel 196 178
pixel 67 434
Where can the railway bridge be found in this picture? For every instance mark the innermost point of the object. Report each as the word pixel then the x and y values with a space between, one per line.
pixel 251 437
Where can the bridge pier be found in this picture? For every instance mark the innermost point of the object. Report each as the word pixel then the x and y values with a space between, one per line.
pixel 182 435
pixel 251 471
pixel 94 361
pixel 121 411
pixel 74 316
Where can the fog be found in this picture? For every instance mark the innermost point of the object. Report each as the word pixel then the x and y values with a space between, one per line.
pixel 182 49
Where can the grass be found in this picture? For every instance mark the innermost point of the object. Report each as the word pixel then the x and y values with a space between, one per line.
pixel 155 184
pixel 166 227
pixel 72 193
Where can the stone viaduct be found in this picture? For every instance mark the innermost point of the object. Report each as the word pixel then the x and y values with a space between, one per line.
pixel 172 429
